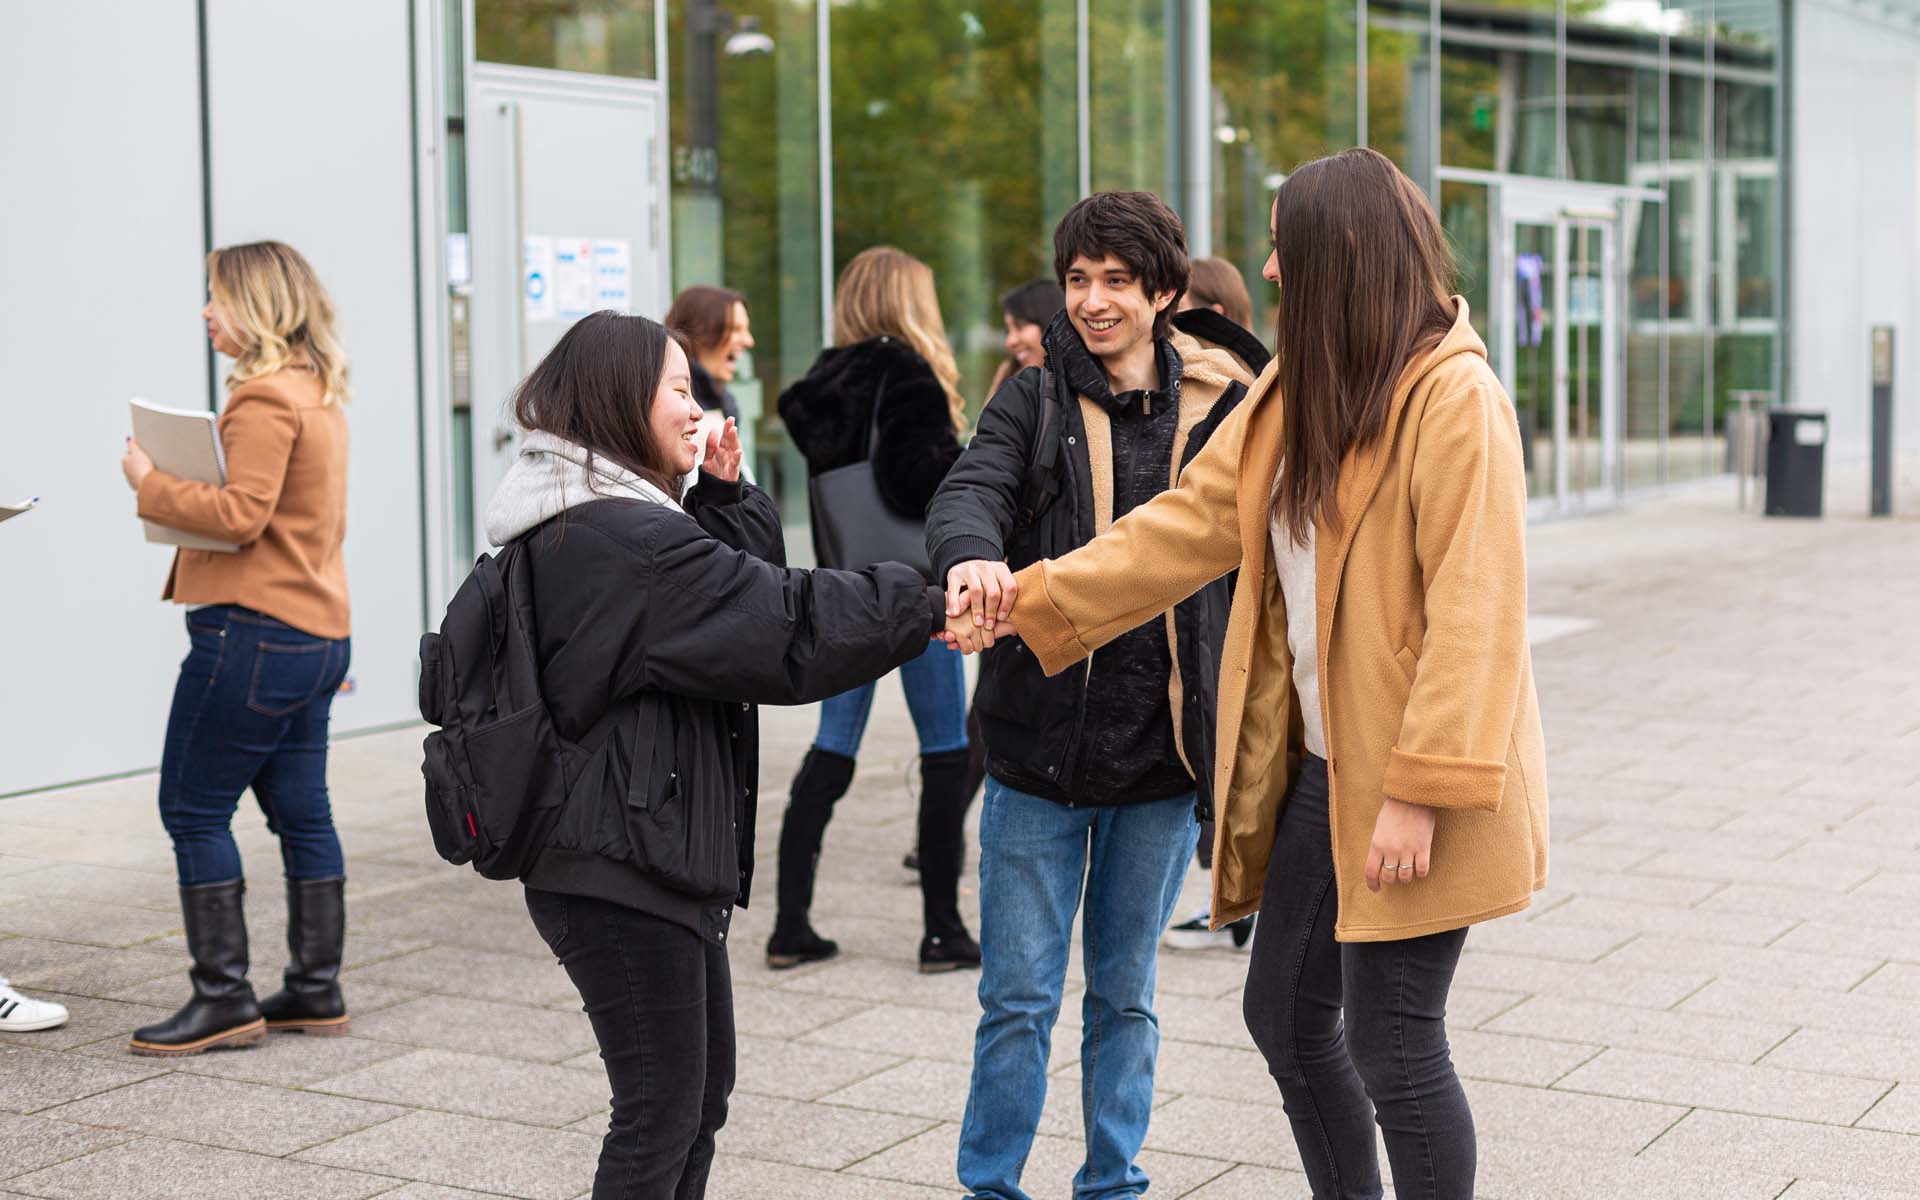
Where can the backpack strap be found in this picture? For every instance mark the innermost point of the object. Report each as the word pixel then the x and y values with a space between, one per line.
pixel 1037 487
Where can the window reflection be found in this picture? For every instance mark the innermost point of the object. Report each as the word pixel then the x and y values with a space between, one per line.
pixel 598 37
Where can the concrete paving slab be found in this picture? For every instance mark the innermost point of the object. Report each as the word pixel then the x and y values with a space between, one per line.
pixel 156 1169
pixel 1557 1017
pixel 465 1152
pixel 476 1085
pixel 1729 1087
pixel 225 1112
pixel 480 1027
pixel 31 1080
pixel 1861 1158
pixel 802 1134
pixel 88 1020
pixel 34 1143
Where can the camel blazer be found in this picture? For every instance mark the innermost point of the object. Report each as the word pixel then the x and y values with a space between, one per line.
pixel 284 505
pixel 1426 681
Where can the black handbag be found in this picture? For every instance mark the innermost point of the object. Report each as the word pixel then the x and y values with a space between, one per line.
pixel 852 525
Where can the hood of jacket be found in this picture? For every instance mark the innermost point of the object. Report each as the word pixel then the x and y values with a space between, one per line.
pixel 1069 358
pixel 1206 325
pixel 552 475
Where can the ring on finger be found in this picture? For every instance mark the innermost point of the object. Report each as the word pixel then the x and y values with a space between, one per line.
pixel 1406 868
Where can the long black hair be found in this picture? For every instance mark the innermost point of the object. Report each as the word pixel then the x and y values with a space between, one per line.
pixel 595 388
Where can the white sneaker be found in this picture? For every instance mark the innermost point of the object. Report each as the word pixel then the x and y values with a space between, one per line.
pixel 18 1014
pixel 1193 934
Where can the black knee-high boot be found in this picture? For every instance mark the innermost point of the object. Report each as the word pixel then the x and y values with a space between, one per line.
pixel 822 779
pixel 310 1000
pixel 222 1011
pixel 944 800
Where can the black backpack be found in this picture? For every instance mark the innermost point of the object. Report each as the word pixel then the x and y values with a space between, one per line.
pixel 496 771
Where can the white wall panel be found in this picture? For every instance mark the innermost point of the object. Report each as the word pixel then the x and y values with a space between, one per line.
pixel 1855 239
pixel 311 124
pixel 100 296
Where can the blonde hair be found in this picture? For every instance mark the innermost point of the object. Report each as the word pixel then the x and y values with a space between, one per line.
pixel 885 292
pixel 276 309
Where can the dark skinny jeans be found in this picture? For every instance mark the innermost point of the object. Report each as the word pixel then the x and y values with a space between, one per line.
pixel 1388 1061
pixel 661 1001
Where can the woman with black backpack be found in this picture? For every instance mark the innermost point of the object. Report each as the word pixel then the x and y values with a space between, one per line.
pixel 660 621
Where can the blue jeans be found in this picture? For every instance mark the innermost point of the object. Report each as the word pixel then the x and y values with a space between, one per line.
pixel 1033 856
pixel 250 711
pixel 936 687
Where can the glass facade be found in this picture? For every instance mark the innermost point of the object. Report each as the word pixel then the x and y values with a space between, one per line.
pixel 1607 170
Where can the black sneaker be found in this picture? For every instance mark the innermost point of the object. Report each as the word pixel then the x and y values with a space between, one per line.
pixel 786 950
pixel 952 952
pixel 1194 934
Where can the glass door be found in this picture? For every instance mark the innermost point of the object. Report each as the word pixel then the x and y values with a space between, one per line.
pixel 1557 344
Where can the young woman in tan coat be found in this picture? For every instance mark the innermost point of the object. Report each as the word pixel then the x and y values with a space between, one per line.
pixel 1380 766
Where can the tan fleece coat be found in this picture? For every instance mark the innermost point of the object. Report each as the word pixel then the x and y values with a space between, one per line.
pixel 1425 676
pixel 284 505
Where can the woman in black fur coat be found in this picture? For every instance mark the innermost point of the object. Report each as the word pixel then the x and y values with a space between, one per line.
pixel 892 352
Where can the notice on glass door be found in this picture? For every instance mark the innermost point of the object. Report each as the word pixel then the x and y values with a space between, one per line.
pixel 613 274
pixel 536 278
pixel 575 291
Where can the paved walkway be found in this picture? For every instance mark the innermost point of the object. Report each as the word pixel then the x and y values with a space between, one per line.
pixel 1718 997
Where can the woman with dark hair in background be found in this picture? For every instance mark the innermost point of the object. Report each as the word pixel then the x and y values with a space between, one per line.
pixel 714 320
pixel 890 379
pixel 664 622
pixel 1026 311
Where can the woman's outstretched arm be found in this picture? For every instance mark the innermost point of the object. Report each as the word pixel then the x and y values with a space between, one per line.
pixel 1150 560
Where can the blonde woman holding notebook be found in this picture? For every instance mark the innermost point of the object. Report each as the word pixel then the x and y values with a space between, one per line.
pixel 268 629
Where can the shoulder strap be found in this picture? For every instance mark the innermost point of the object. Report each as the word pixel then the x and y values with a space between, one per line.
pixel 1040 461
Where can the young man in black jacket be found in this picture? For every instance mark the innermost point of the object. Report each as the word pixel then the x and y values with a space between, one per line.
pixel 1094 775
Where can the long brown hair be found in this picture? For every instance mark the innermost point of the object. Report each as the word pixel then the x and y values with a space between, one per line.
pixel 596 387
pixel 1366 284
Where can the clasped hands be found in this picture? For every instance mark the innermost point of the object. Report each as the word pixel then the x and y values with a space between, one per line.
pixel 979 605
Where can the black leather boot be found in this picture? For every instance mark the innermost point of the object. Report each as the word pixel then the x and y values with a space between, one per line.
pixel 822 779
pixel 222 1011
pixel 944 800
pixel 310 1001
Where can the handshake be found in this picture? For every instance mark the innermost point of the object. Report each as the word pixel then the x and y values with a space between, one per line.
pixel 979 606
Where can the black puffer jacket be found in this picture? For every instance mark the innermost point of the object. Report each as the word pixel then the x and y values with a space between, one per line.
pixel 1125 728
pixel 659 631
pixel 829 411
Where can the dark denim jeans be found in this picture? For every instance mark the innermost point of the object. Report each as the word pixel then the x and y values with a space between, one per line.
pixel 1389 1060
pixel 661 1001
pixel 250 711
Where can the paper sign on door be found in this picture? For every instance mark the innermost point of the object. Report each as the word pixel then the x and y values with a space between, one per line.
pixel 574 289
pixel 536 278
pixel 613 274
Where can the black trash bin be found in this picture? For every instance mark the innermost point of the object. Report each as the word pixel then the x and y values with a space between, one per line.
pixel 1796 462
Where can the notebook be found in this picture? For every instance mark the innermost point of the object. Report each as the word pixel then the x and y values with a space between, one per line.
pixel 186 445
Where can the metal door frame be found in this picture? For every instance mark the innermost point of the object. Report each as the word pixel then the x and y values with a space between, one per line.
pixel 1564 206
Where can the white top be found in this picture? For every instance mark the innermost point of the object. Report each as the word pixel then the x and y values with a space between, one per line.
pixel 1293 564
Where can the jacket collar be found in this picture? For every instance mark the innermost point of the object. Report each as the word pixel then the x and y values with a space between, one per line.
pixel 1070 359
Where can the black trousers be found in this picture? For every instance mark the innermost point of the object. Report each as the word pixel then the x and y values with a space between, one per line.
pixel 661 1000
pixel 1388 1060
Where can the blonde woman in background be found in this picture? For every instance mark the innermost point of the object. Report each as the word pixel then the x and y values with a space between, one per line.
pixel 890 374
pixel 268 628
